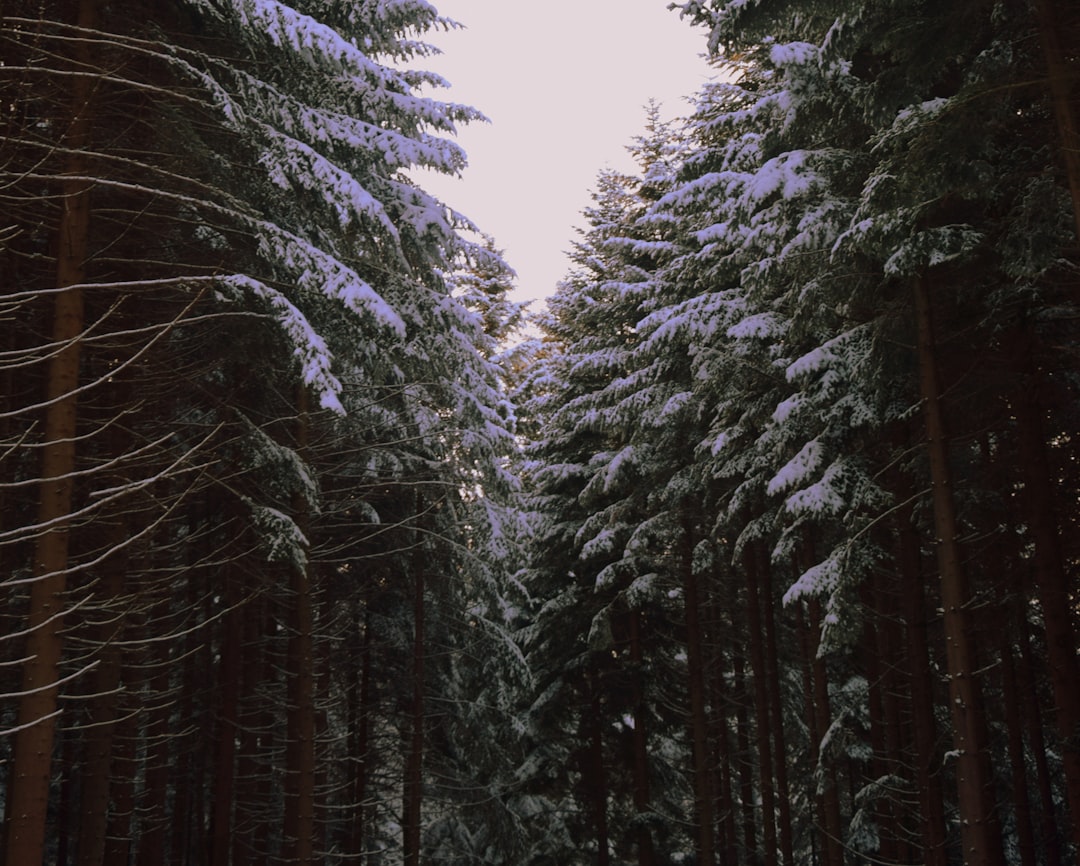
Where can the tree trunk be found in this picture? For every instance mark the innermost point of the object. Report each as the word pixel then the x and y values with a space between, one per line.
pixel 980 832
pixel 118 835
pixel 1062 83
pixel 412 800
pixel 361 706
pixel 776 713
pixel 250 819
pixel 819 720
pixel 97 769
pixel 761 707
pixel 153 836
pixel 1051 836
pixel 746 775
pixel 221 806
pixel 646 854
pixel 31 768
pixel 727 834
pixel 703 800
pixel 300 662
pixel 1052 585
pixel 1025 833
pixel 924 727
pixel 595 772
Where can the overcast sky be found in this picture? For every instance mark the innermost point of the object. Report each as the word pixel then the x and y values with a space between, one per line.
pixel 564 83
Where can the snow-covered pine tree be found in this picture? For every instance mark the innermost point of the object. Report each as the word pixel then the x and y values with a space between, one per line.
pixel 938 214
pixel 243 213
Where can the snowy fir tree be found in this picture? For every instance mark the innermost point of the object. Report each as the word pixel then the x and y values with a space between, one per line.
pixel 761 552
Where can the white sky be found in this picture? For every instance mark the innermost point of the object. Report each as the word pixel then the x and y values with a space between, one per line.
pixel 564 83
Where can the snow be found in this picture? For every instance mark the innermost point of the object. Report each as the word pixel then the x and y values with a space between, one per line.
pixel 308 346
pixel 798 467
pixel 794 54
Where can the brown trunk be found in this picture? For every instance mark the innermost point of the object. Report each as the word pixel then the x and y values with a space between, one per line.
pixel 1025 833
pixel 221 805
pixel 249 818
pixel 97 769
pixel 727 835
pixel 761 707
pixel 877 662
pixel 980 833
pixel 702 774
pixel 646 854
pixel 746 775
pixel 776 713
pixel 299 827
pixel 153 835
pixel 924 727
pixel 819 720
pixel 412 801
pixel 1052 586
pixel 31 767
pixel 118 835
pixel 360 710
pixel 1033 720
pixel 596 773
pixel 1061 77
pixel 187 794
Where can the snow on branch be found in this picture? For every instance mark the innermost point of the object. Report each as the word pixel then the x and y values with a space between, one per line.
pixel 308 346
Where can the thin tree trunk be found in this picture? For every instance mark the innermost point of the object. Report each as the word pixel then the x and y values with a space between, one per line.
pixel 646 853
pixel 776 713
pixel 1051 835
pixel 300 749
pixel 118 836
pixel 746 775
pixel 1025 833
pixel 97 769
pixel 249 819
pixel 761 707
pixel 221 806
pixel 703 800
pixel 361 708
pixel 412 805
pixel 980 832
pixel 727 834
pixel 153 836
pixel 819 720
pixel 596 772
pixel 928 779
pixel 31 769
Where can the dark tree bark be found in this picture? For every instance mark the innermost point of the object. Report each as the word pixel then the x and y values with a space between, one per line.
pixel 1056 33
pixel 31 770
pixel 727 834
pixel 299 842
pixel 221 806
pixel 980 832
pixel 924 727
pixel 819 720
pixel 702 774
pixel 98 770
pixel 412 800
pixel 746 774
pixel 646 854
pixel 1048 826
pixel 1052 584
pixel 776 714
pixel 595 772
pixel 360 708
pixel 762 723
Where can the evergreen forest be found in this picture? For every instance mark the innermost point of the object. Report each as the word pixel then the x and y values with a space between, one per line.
pixel 757 546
